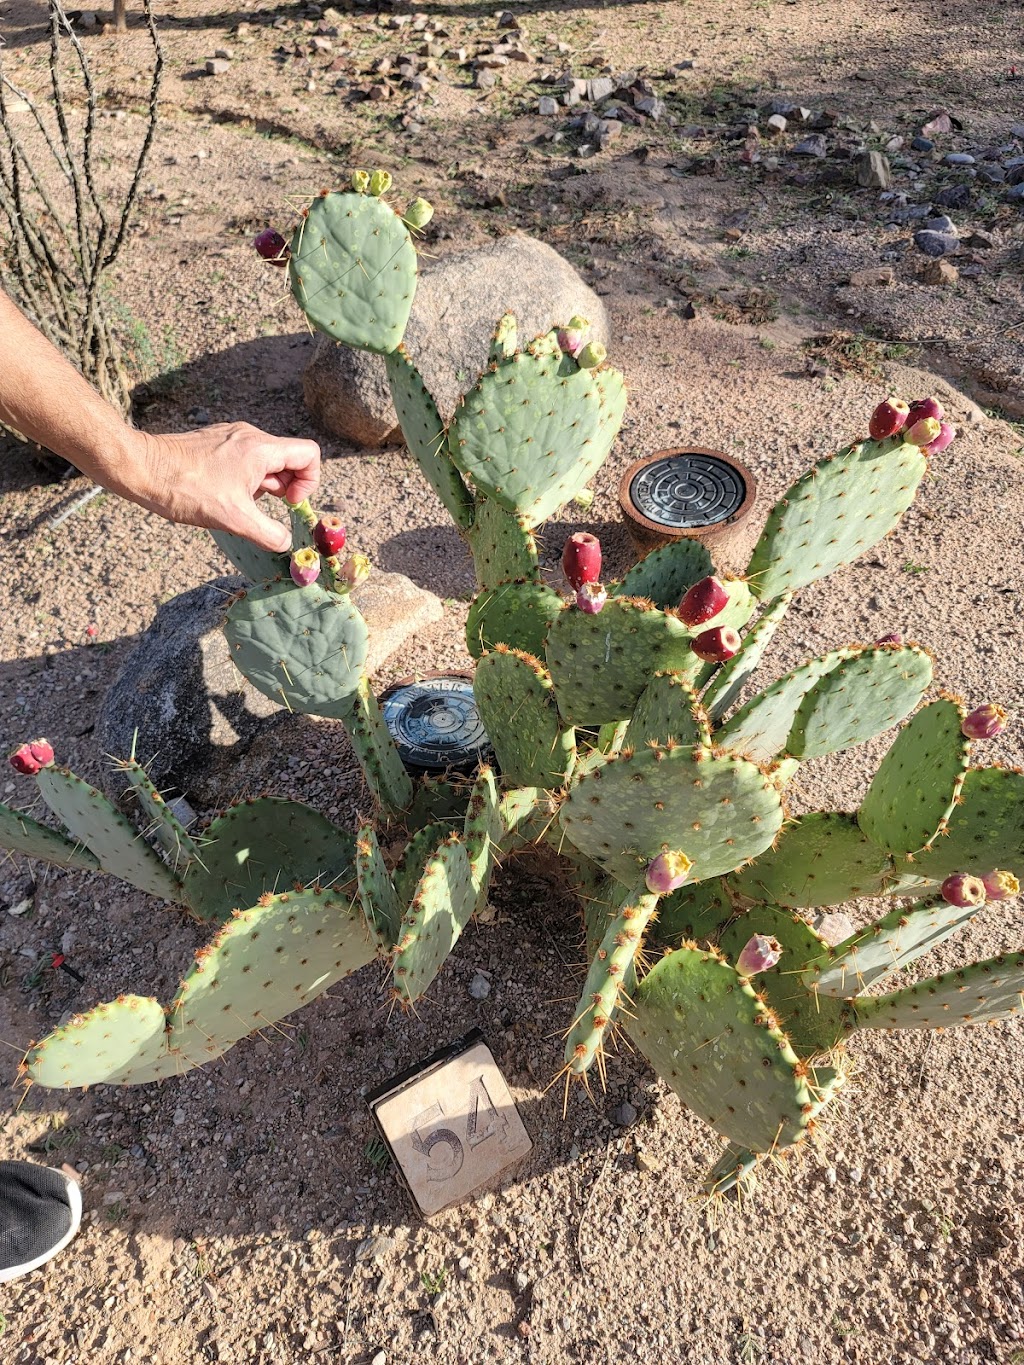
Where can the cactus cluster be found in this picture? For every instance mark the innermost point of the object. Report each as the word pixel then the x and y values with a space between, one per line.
pixel 625 736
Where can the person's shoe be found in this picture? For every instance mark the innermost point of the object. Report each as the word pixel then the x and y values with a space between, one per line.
pixel 40 1210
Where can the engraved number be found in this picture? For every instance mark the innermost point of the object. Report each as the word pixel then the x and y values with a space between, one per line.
pixel 442 1148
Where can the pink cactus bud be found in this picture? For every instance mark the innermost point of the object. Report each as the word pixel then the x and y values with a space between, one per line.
pixel 925 407
pixel 305 567
pixel 27 759
pixel 760 953
pixel 985 722
pixel 703 601
pixel 963 890
pixel 272 247
pixel 581 559
pixel 888 418
pixel 716 645
pixel 945 436
pixel 571 341
pixel 355 570
pixel 893 638
pixel 923 432
pixel 667 872
pixel 329 535
pixel 591 598
pixel 1000 886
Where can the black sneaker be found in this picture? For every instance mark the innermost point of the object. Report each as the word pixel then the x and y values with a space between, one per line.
pixel 40 1210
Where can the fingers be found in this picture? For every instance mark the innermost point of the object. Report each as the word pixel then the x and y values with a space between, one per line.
pixel 294 464
pixel 263 531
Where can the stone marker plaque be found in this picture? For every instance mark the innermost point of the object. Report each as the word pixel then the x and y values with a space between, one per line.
pixel 450 1124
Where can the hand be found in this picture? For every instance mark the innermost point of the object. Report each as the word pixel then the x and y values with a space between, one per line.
pixel 212 477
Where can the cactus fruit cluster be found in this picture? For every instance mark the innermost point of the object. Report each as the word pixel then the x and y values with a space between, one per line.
pixel 626 735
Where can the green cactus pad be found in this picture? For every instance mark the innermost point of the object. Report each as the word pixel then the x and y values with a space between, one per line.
pixel 483 833
pixel 19 833
pixel 726 1061
pixel 601 664
pixel 718 811
pixel 425 436
pixel 862 696
pixel 503 547
pixel 535 429
pixel 301 519
pixel 527 815
pixel 666 573
pixel 259 566
pixel 88 815
pixel 505 340
pixel 378 898
pixel 985 831
pixel 821 859
pixel 601 898
pixel 913 793
pixel 123 1042
pixel 518 614
pixel 612 975
pixel 735 1168
pixel 734 675
pixel 759 729
pixel 839 509
pixel 874 954
pixel 440 909
pixel 814 1024
pixel 668 710
pixel 263 846
pixel 437 800
pixel 993 989
pixel 517 706
pixel 303 647
pixel 695 913
pixel 353 270
pixel 264 963
pixel 377 752
pixel 410 866
pixel 168 830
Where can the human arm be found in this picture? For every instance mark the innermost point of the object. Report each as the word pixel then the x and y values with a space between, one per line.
pixel 210 477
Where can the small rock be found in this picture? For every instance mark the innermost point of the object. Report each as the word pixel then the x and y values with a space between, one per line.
pixel 217 66
pixel 834 927
pixel 935 244
pixel 954 197
pixel 547 106
pixel 776 124
pixel 381 1358
pixel 624 1116
pixel 978 240
pixel 480 986
pixel 992 175
pixel 599 89
pixel 484 79
pixel 863 279
pixel 648 1164
pixel 225 53
pixel 1015 195
pixel 87 19
pixel 873 171
pixel 815 145
pixel 179 1117
pixel 652 107
pixel 938 122
pixel 922 144
pixel 374 1249
pixel 940 272
pixel 958 159
pixel 608 130
pixel 941 223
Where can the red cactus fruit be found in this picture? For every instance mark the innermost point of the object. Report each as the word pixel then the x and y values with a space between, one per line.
pixel 945 436
pixel 888 418
pixel 581 559
pixel 924 431
pixel 667 872
pixel 591 598
pixel 925 407
pixel 716 645
pixel 893 638
pixel 1000 886
pixel 272 247
pixel 304 567
pixel 329 535
pixel 703 601
pixel 963 890
pixel 759 953
pixel 985 722
pixel 27 759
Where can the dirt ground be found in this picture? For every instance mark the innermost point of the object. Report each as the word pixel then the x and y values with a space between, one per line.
pixel 238 1214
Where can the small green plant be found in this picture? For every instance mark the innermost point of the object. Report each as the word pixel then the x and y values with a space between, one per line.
pixel 434 1281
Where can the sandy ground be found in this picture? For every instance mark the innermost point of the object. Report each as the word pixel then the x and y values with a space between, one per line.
pixel 235 1215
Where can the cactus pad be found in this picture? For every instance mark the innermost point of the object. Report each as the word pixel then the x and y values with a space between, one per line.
pixel 727 1061
pixel 517 614
pixel 718 811
pixel 441 906
pixel 303 647
pixel 19 833
pixel 482 833
pixel 664 575
pixel 839 509
pixel 535 429
pixel 88 815
pixel 505 339
pixel 265 846
pixel 167 829
pixel 866 693
pixel 517 706
pixel 601 664
pixel 913 793
pixel 377 894
pixel 993 989
pixel 122 1042
pixel 503 547
pixel 668 710
pixel 759 729
pixel 425 436
pixel 820 859
pixel 377 752
pixel 737 671
pixel 985 831
pixel 695 913
pixel 259 566
pixel 353 270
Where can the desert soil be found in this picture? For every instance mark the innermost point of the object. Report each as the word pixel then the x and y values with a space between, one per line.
pixel 236 1214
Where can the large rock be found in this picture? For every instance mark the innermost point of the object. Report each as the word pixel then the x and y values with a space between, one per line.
pixel 192 708
pixel 458 303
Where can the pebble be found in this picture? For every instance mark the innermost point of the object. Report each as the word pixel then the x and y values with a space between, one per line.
pixel 547 106
pixel 814 145
pixel 958 159
pixel 179 1117
pixel 873 171
pixel 940 272
pixel 954 197
pixel 936 244
pixel 922 144
pixel 777 124
pixel 942 224
pixel 625 1115
pixel 480 986
pixel 1015 194
pixel 217 66
pixel 381 1358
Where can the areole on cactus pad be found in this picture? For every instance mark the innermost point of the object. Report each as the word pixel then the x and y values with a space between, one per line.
pixel 628 740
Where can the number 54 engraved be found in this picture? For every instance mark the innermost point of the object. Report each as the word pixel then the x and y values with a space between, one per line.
pixel 442 1147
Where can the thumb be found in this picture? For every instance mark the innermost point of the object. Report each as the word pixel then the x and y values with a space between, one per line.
pixel 265 532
